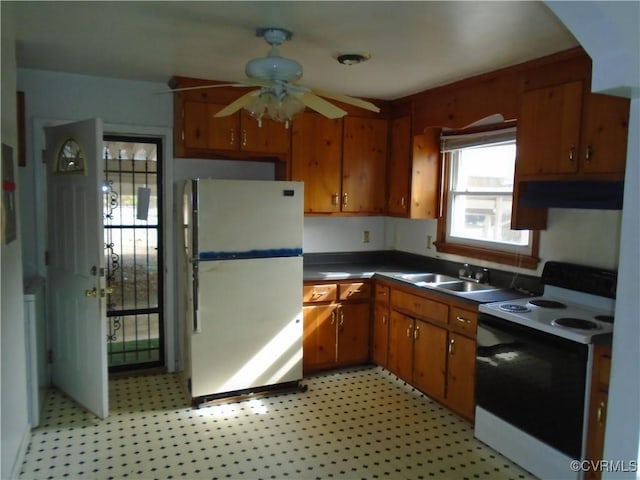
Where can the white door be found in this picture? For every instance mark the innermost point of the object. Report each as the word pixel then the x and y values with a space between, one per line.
pixel 75 273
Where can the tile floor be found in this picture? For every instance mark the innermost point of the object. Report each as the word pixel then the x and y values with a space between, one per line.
pixel 353 424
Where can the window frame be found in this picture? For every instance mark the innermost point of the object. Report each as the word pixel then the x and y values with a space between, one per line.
pixel 490 252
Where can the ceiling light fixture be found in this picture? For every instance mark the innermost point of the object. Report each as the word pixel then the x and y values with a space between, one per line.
pixel 274 103
pixel 353 58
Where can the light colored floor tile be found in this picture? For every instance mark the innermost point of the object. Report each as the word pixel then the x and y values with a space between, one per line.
pixel 350 424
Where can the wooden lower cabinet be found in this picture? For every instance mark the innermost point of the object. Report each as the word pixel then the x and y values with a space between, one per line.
pixel 430 359
pixel 461 368
pixel 431 345
pixel 380 336
pixel 336 325
pixel 598 407
pixel 401 346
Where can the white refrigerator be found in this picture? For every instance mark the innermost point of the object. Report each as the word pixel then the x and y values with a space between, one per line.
pixel 243 245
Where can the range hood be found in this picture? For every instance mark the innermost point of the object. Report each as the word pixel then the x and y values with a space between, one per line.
pixel 596 195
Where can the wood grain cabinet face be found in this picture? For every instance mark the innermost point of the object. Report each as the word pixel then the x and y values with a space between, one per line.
pixel 380 337
pixel 400 358
pixel 336 324
pixel 461 366
pixel 364 158
pixel 563 130
pixel 598 407
pixel 430 359
pixel 413 171
pixel 316 159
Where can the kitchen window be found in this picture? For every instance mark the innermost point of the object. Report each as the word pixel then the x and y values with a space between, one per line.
pixel 477 197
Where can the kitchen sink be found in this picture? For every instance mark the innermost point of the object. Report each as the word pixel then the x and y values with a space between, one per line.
pixel 463 286
pixel 425 278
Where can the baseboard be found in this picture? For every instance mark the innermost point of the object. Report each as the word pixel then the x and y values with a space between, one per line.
pixel 22 451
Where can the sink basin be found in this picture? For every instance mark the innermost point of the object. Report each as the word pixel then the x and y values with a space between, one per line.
pixel 463 286
pixel 424 278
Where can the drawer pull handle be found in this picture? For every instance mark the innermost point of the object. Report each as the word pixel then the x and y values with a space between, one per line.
pixel 463 320
pixel 341 317
pixel 345 200
pixel 571 149
pixel 320 293
pixel 409 332
pixel 452 346
pixel 333 317
pixel 416 333
pixel 588 154
pixel 335 199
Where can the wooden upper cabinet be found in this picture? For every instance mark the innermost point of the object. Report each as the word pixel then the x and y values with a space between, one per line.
pixel 316 159
pixel 413 171
pixel 399 170
pixel 548 135
pixel 364 158
pixel 267 136
pixel 199 134
pixel 565 132
pixel 604 133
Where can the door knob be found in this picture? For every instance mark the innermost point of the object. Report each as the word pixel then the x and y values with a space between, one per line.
pixel 91 293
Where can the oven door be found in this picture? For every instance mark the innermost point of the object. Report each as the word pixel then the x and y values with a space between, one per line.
pixel 532 380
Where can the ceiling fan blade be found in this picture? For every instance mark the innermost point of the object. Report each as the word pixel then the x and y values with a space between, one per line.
pixel 237 104
pixel 250 83
pixel 320 105
pixel 356 102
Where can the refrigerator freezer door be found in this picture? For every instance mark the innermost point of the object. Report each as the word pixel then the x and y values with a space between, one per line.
pixel 250 316
pixel 244 216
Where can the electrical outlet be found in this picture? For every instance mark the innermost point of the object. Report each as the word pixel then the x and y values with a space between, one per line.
pixel 365 236
pixel 429 242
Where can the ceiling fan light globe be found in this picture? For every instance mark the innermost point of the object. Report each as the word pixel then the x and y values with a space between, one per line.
pixel 273 68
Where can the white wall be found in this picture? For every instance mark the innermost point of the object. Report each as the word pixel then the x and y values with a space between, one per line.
pixel 344 234
pixel 587 237
pixel 14 416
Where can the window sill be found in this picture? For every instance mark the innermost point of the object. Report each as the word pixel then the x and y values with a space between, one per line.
pixel 507 258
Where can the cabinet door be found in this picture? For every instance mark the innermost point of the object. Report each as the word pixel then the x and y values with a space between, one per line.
pixel 549 130
pixel 319 341
pixel 270 137
pixel 400 167
pixel 400 359
pixel 222 131
pixel 597 426
pixel 363 165
pixel 461 374
pixel 380 340
pixel 196 125
pixel 353 333
pixel 316 159
pixel 604 132
pixel 430 359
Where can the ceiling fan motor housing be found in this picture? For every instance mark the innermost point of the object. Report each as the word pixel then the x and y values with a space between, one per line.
pixel 274 68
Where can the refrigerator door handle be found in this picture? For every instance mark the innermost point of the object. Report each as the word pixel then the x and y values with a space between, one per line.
pixel 196 254
pixel 195 295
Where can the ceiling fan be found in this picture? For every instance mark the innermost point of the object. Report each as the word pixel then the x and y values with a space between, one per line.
pixel 279 97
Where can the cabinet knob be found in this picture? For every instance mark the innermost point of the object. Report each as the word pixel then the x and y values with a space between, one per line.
pixel 588 153
pixel 600 414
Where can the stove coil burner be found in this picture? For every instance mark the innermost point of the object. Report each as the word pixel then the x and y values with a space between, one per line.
pixel 540 302
pixel 576 323
pixel 604 318
pixel 513 308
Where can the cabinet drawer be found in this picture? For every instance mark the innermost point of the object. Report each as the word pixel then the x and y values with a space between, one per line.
pixel 463 320
pixel 419 306
pixel 382 293
pixel 319 293
pixel 354 291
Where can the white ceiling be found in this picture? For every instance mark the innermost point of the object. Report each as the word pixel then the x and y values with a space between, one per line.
pixel 413 45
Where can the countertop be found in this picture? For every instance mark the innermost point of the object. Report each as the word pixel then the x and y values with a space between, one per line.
pixel 358 271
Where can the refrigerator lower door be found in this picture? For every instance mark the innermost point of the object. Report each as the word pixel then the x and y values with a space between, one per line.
pixel 249 325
